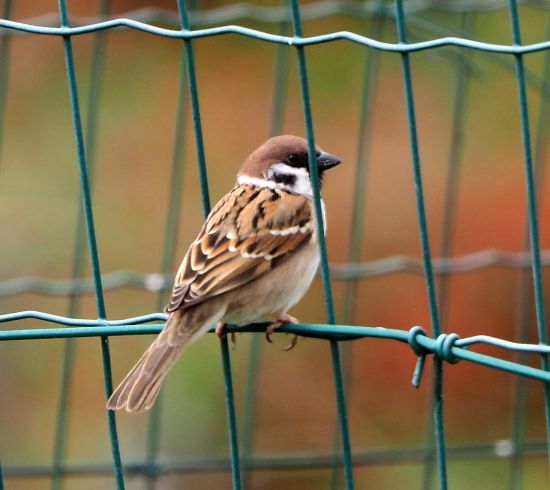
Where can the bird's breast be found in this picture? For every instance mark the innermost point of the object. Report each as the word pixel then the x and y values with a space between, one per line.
pixel 276 291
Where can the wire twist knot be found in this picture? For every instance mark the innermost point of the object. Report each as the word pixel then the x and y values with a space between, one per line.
pixel 444 345
pixel 443 349
pixel 414 332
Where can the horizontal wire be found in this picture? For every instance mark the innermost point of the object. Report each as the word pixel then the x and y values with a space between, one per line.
pixel 457 264
pixel 448 347
pixel 150 282
pixel 312 11
pixel 78 322
pixel 276 14
pixel 499 449
pixel 276 38
pixel 398 263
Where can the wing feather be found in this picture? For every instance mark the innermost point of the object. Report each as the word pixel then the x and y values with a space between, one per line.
pixel 247 232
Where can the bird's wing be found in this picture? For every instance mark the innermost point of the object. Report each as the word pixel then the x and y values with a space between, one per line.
pixel 247 233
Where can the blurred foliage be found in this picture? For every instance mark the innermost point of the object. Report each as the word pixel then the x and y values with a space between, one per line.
pixel 39 202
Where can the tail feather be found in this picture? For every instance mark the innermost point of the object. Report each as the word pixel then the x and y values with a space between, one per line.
pixel 140 388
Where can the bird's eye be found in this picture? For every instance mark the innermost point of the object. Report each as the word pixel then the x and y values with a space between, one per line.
pixel 292 158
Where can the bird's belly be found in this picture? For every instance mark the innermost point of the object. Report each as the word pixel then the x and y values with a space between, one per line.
pixel 277 291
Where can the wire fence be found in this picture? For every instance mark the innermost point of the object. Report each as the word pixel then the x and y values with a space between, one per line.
pixel 442 347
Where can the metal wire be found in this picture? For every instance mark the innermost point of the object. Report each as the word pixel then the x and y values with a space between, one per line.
pixel 66 374
pixel 441 347
pixel 532 209
pixel 260 462
pixel 274 38
pixel 325 272
pixel 525 291
pixel 201 160
pixel 458 264
pixel 90 233
pixel 276 14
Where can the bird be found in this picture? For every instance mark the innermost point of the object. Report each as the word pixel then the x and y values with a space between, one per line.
pixel 254 258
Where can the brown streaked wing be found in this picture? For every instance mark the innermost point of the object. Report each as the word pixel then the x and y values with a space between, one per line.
pixel 248 231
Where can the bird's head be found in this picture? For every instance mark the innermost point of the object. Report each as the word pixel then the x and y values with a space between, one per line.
pixel 284 160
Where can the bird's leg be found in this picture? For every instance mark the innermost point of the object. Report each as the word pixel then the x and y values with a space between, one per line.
pixel 282 318
pixel 220 332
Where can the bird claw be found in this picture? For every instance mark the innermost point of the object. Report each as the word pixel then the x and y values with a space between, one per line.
pixel 283 318
pixel 269 331
pixel 221 333
pixel 292 344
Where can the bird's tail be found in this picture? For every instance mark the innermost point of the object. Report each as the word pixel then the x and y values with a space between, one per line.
pixel 140 388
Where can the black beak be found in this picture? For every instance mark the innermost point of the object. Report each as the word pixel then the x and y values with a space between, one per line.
pixel 326 160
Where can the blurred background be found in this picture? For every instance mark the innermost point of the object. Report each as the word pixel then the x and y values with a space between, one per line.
pixel 472 163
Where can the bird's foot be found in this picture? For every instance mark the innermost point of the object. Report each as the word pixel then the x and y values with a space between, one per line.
pixel 221 333
pixel 282 318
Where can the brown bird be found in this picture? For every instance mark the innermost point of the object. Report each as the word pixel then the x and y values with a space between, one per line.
pixel 255 257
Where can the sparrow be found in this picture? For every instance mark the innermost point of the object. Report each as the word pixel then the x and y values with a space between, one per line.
pixel 254 258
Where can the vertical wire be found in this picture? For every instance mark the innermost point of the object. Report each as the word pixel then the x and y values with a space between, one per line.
pixel 195 107
pixel 524 320
pixel 532 210
pixel 314 172
pixel 170 236
pixel 62 411
pixel 4 65
pixel 524 314
pixel 461 92
pixel 249 407
pixel 199 144
pixel 329 304
pixel 425 244
pixel 231 417
pixel 90 230
pixel 277 111
pixel 370 76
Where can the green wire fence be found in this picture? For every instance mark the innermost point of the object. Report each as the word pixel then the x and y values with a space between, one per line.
pixel 188 26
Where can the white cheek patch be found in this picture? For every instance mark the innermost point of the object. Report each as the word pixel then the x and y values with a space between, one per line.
pixel 290 178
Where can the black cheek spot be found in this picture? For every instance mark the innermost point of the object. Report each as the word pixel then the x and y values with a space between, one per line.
pixel 285 179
